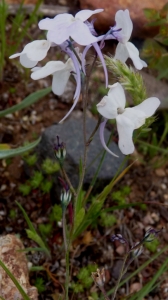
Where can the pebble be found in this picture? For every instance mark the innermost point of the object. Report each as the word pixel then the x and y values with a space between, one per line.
pixel 163 186
pixel 160 172
pixel 3 187
pixel 165 196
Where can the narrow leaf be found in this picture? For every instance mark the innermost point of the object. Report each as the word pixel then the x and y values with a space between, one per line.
pixel 16 283
pixel 29 100
pixel 13 152
pixel 79 218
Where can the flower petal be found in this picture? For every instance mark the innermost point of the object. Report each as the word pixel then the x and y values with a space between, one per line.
pixel 148 106
pixel 50 68
pixel 125 131
pixel 85 14
pixel 134 55
pixel 37 50
pixel 136 116
pixel 108 106
pixel 101 133
pixel 15 55
pixel 60 21
pixel 97 48
pixel 58 36
pixel 59 82
pixel 80 33
pixel 26 62
pixel 83 57
pixel 78 82
pixel 124 22
pixel 121 53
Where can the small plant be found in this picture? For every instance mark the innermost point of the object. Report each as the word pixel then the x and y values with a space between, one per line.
pixel 155 50
pixel 40 179
pixel 107 220
pixel 119 196
pixel 84 279
pixel 40 284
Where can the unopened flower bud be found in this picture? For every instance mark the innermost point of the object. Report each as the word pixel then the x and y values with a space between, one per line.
pixel 150 234
pixel 118 237
pixel 137 249
pixel 66 195
pixel 60 150
pixel 99 277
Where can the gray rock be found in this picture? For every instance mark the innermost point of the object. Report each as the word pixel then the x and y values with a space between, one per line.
pixel 156 88
pixel 71 134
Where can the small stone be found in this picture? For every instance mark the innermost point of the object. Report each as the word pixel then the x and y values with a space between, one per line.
pixel 3 187
pixel 63 262
pixel 163 186
pixel 155 217
pixel 135 287
pixel 165 197
pixel 120 250
pixel 160 172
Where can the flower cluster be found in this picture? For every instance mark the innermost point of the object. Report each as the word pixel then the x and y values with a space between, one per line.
pixel 63 32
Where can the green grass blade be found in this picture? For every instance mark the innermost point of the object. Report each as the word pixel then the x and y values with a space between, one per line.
pixel 29 100
pixel 29 223
pixel 159 149
pixel 147 288
pixel 155 256
pixel 28 24
pixel 3 16
pixel 16 283
pixel 13 152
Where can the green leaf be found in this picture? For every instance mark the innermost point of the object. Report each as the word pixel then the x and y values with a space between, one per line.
pixel 79 218
pixel 31 99
pixel 16 283
pixel 29 223
pixel 151 14
pixel 13 152
pixel 35 237
pixel 31 232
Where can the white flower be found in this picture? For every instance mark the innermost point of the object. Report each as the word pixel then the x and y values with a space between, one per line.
pixel 33 53
pixel 124 48
pixel 66 25
pixel 112 106
pixel 60 71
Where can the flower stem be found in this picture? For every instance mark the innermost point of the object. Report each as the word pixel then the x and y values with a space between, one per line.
pixel 68 180
pixel 66 245
pixel 121 275
pixel 85 91
pixel 104 293
pixel 97 171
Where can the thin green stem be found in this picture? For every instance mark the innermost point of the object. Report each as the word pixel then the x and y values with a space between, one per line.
pixel 3 13
pixel 64 229
pixel 85 92
pixel 67 246
pixel 104 293
pixel 64 174
pixel 67 275
pixel 120 277
pixel 97 172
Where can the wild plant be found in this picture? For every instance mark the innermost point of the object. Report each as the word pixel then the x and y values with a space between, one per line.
pixel 67 33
